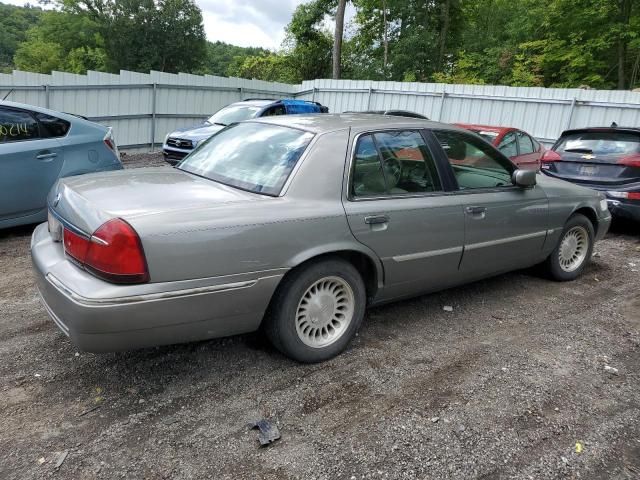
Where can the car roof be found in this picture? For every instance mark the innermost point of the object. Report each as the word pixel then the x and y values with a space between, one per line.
pixel 601 129
pixel 33 108
pixel 330 122
pixel 490 128
pixel 255 102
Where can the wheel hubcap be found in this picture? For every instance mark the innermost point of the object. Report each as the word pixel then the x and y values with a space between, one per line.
pixel 324 312
pixel 573 249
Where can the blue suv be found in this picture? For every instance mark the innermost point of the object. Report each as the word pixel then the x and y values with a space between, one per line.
pixel 180 143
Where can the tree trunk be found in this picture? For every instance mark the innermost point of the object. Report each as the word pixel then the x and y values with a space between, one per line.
pixel 444 31
pixel 337 38
pixel 625 16
pixel 385 38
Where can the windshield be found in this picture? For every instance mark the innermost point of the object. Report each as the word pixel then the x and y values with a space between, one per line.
pixel 252 156
pixel 233 114
pixel 601 143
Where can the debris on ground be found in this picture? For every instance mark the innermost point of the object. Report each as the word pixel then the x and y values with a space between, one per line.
pixel 611 370
pixel 435 419
pixel 579 447
pixel 268 433
pixel 447 308
pixel 61 458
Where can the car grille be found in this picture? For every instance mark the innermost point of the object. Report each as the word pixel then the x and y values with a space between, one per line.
pixel 179 143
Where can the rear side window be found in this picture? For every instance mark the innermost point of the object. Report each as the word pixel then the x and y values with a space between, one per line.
pixel 600 143
pixel 17 125
pixel 525 143
pixel 52 126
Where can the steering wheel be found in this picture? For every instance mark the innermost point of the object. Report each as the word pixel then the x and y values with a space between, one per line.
pixel 394 168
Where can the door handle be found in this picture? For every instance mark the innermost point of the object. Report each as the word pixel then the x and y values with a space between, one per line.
pixel 46 155
pixel 376 219
pixel 476 211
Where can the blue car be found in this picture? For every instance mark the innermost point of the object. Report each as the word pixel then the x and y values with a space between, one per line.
pixel 39 146
pixel 180 143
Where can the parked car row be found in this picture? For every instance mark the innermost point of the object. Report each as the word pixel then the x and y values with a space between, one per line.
pixel 264 222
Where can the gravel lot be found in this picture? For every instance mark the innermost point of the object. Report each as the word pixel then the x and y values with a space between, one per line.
pixel 504 386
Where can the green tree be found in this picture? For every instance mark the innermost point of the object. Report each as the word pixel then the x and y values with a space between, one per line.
pixel 14 23
pixel 142 35
pixel 221 56
pixel 62 41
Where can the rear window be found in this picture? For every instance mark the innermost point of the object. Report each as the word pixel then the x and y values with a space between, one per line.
pixel 600 143
pixel 257 157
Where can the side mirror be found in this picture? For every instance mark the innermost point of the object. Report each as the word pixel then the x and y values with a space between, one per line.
pixel 524 178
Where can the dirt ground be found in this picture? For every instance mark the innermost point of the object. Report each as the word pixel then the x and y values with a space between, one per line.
pixel 510 384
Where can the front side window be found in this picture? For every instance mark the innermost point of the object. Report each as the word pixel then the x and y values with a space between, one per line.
pixel 525 143
pixel 52 126
pixel 508 145
pixel 233 114
pixel 257 157
pixel 475 163
pixel 17 125
pixel 393 163
pixel 273 111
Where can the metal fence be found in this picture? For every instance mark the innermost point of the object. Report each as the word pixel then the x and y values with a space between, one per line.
pixel 142 108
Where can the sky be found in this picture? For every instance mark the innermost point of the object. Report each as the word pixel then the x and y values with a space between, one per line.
pixel 247 23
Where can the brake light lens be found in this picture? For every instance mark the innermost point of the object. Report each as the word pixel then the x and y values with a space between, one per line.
pixel 627 195
pixel 110 142
pixel 550 156
pixel 114 252
pixel 630 161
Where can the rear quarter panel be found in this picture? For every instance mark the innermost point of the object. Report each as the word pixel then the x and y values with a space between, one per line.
pixel 85 150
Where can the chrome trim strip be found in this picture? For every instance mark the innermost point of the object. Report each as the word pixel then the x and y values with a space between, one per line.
pixel 149 296
pixel 501 241
pixel 430 253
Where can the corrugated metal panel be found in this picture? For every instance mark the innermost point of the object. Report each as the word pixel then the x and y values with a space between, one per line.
pixel 190 98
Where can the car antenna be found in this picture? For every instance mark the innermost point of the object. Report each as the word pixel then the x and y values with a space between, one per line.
pixel 9 93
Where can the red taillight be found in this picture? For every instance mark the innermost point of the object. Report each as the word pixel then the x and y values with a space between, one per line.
pixel 110 143
pixel 633 196
pixel 630 161
pixel 550 156
pixel 75 245
pixel 114 252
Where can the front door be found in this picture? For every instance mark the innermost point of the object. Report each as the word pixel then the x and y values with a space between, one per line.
pixel 505 225
pixel 396 205
pixel 29 164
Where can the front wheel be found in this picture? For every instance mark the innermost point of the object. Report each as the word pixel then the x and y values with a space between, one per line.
pixel 569 258
pixel 316 311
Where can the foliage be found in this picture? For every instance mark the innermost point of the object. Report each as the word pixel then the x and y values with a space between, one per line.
pixel 14 23
pixel 220 57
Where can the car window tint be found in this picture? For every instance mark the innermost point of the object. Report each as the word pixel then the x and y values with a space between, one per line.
pixel 600 143
pixel 368 179
pixel 52 126
pixel 525 143
pixel 17 125
pixel 475 163
pixel 508 145
pixel 407 162
pixel 273 111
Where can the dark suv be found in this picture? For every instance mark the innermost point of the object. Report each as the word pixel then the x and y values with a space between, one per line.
pixel 179 143
pixel 605 159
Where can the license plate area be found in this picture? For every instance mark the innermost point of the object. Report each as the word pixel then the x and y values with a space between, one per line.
pixel 588 170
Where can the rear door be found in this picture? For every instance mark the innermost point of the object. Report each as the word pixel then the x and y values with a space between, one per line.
pixel 528 154
pixel 398 204
pixel 29 164
pixel 505 225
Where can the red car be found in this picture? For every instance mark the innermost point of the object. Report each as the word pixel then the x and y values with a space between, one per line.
pixel 523 150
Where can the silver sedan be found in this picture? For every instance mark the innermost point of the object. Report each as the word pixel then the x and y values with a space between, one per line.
pixel 296 224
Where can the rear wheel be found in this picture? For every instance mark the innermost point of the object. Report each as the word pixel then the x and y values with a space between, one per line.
pixel 316 311
pixel 569 258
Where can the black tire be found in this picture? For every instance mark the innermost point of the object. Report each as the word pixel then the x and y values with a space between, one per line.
pixel 553 263
pixel 280 319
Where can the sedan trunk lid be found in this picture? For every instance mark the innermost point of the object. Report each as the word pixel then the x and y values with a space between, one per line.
pixel 87 201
